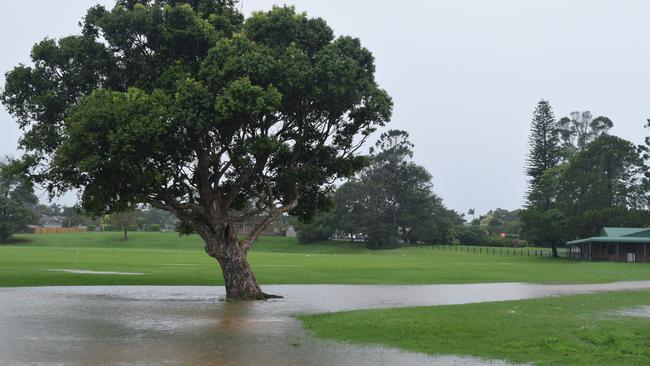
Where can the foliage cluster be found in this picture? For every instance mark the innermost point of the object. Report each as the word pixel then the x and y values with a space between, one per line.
pixel 581 179
pixel 391 202
pixel 17 201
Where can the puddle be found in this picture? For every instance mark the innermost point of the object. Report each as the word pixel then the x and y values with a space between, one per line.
pixel 83 271
pixel 192 325
pixel 640 312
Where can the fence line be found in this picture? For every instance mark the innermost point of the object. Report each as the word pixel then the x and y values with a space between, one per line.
pixel 58 230
pixel 503 251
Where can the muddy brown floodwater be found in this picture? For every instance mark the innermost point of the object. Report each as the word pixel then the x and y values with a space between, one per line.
pixel 194 326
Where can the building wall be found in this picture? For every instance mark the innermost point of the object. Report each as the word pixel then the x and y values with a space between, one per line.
pixel 641 252
pixel 608 252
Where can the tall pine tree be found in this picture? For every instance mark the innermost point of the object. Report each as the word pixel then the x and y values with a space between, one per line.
pixel 540 221
pixel 544 154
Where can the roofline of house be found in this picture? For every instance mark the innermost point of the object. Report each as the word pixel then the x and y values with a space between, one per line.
pixel 610 239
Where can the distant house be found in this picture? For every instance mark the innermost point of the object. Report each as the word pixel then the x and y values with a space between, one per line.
pixel 281 226
pixel 50 221
pixel 615 244
pixel 54 225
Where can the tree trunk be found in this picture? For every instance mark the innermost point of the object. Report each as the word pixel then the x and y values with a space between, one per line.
pixel 126 237
pixel 554 249
pixel 238 276
pixel 239 279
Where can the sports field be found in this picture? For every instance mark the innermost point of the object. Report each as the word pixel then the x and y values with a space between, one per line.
pixel 170 259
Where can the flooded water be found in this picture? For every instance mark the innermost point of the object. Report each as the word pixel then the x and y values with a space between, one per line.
pixel 640 312
pixel 194 326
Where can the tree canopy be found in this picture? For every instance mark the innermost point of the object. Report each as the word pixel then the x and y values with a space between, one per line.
pixel 608 175
pixel 389 202
pixel 579 129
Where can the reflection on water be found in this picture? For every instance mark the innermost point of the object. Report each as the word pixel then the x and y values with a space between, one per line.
pixel 194 326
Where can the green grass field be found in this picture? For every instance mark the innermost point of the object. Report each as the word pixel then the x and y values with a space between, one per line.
pixel 571 330
pixel 167 259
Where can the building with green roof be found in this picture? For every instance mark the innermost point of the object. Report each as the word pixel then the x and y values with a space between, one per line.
pixel 615 244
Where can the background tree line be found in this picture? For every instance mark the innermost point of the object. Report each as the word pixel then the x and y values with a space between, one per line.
pixel 581 179
pixel 20 208
pixel 391 203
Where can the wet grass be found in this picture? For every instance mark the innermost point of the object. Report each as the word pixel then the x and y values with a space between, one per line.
pixel 168 259
pixel 572 330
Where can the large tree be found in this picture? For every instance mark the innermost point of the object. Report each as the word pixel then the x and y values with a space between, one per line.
pixel 187 107
pixel 349 208
pixel 543 157
pixel 393 189
pixel 17 201
pixel 545 226
pixel 544 154
pixel 392 200
pixel 609 173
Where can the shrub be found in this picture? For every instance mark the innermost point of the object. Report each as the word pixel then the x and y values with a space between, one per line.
pixel 320 228
pixel 470 235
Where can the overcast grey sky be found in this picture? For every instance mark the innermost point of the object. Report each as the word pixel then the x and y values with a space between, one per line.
pixel 464 75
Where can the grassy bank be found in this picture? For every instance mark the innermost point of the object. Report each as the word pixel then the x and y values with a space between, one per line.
pixel 167 259
pixel 573 330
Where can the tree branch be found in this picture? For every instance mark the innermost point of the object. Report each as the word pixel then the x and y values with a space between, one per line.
pixel 274 214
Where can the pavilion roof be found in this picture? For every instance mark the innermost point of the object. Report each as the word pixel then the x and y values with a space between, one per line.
pixel 618 235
